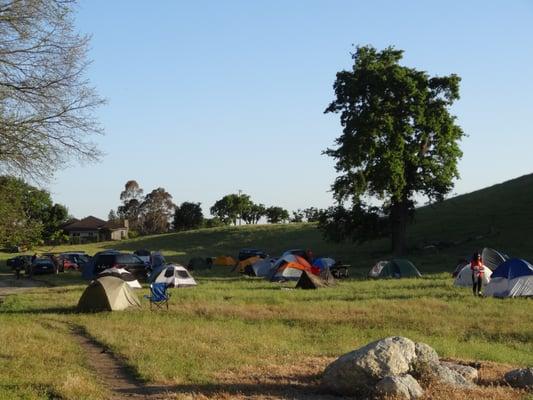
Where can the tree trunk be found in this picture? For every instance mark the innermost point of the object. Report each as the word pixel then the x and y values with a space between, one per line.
pixel 399 217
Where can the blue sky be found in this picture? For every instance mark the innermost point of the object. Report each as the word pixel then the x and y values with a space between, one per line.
pixel 209 97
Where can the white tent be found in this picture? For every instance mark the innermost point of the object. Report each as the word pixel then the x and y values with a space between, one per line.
pixel 263 267
pixel 175 276
pixel 493 258
pixel 464 277
pixel 123 274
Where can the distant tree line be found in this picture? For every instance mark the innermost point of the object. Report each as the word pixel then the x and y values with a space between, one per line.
pixel 156 213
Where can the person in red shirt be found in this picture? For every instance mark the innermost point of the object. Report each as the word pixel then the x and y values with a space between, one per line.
pixel 477 268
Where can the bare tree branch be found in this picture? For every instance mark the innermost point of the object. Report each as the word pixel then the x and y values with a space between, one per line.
pixel 46 103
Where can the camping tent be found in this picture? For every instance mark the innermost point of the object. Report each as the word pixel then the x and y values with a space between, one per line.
pixel 511 279
pixel 123 274
pixel 493 258
pixel 108 293
pixel 226 261
pixel 263 267
pixel 397 268
pixel 376 269
pixel 464 277
pixel 241 267
pixel 173 275
pixel 323 262
pixel 290 267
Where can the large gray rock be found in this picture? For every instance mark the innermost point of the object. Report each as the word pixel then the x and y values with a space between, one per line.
pixel 404 386
pixel 426 357
pixel 469 373
pixel 359 371
pixel 520 378
pixel 448 376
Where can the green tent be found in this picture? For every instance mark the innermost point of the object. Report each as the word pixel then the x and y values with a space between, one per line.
pixel 397 268
pixel 108 293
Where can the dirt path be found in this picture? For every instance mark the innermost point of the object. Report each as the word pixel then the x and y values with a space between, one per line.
pixel 119 380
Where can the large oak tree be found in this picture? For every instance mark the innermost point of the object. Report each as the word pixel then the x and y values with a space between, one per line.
pixel 398 140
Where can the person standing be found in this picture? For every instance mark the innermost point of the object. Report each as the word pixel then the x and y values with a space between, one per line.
pixel 478 269
pixel 19 264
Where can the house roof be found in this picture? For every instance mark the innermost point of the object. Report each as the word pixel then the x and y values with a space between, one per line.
pixel 111 225
pixel 89 223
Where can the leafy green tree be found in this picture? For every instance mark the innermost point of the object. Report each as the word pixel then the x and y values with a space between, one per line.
pixel 231 208
pixel 214 222
pixel 398 139
pixel 27 214
pixel 188 216
pixel 156 212
pixel 297 216
pixel 53 222
pixel 112 216
pixel 132 199
pixel 312 214
pixel 276 215
pixel 252 213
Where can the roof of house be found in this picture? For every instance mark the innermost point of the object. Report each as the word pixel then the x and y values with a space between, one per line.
pixel 118 224
pixel 91 223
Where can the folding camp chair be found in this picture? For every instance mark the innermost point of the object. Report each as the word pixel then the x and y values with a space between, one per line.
pixel 158 295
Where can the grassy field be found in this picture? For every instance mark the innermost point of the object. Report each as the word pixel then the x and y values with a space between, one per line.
pixel 231 328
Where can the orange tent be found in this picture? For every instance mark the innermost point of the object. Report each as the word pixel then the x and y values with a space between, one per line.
pixel 226 261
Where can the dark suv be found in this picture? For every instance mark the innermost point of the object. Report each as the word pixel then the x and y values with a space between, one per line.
pixel 130 262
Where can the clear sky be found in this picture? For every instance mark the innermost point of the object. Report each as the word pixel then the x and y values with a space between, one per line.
pixel 209 97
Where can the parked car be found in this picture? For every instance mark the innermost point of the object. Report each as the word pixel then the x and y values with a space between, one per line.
pixel 145 255
pixel 42 266
pixel 11 262
pixel 72 260
pixel 130 262
pixel 250 252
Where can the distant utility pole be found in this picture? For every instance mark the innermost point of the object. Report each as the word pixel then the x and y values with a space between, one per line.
pixel 240 210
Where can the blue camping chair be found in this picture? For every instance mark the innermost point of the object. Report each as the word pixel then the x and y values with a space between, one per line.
pixel 158 295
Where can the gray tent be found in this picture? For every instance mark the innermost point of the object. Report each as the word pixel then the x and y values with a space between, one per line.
pixel 108 293
pixel 493 258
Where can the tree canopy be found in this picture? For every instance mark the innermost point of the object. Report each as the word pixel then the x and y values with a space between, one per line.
pixel 47 105
pixel 157 210
pixel 276 215
pixel 188 216
pixel 27 214
pixel 398 139
pixel 231 207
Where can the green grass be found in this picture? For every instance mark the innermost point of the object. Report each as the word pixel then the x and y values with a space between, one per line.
pixel 230 322
pixel 226 324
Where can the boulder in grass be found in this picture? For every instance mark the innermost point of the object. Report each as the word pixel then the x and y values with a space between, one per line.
pixel 404 387
pixel 469 373
pixel 520 378
pixel 359 371
pixel 448 376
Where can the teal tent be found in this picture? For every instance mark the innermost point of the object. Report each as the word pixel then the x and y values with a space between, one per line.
pixel 397 268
